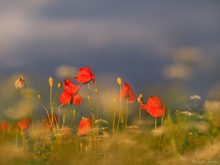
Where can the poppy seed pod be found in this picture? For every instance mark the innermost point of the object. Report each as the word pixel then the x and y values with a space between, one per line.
pixel 96 90
pixel 119 80
pixel 59 85
pixel 51 82
pixel 39 96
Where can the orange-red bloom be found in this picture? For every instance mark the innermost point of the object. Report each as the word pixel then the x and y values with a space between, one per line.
pixel 24 123
pixel 77 99
pixel 4 126
pixel 70 87
pixel 154 106
pixel 70 93
pixel 65 97
pixel 127 93
pixel 85 75
pixel 85 126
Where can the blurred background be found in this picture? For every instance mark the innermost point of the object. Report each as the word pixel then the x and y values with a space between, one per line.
pixel 161 44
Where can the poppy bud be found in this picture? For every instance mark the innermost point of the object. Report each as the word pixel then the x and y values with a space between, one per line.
pixel 119 80
pixel 59 85
pixel 96 90
pixel 50 80
pixel 88 97
pixel 74 112
pixel 39 96
pixel 140 99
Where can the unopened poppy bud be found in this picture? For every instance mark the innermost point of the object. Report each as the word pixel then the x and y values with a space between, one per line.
pixel 59 85
pixel 39 96
pixel 96 90
pixel 74 112
pixel 119 81
pixel 50 80
pixel 140 99
pixel 114 100
pixel 88 97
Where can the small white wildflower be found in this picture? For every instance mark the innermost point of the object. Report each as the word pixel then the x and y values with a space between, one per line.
pixel 101 121
pixel 195 97
pixel 187 113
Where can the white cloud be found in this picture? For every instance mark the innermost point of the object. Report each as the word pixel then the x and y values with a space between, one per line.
pixel 66 71
pixel 178 71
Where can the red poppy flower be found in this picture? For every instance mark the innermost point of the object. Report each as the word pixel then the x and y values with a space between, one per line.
pixel 4 126
pixel 24 123
pixel 70 93
pixel 65 97
pixel 154 106
pixel 70 87
pixel 77 99
pixel 85 75
pixel 85 126
pixel 127 93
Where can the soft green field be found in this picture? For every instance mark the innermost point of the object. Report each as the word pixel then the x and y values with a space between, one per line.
pixel 183 136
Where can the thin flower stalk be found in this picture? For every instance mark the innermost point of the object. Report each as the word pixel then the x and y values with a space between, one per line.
pixel 126 113
pixel 155 123
pixel 64 115
pixel 97 103
pixel 97 108
pixel 58 122
pixel 51 105
pixel 57 92
pixel 139 115
pixel 120 108
pixel 162 119
pixel 47 112
pixel 91 105
pixel 16 138
pixel 74 117
pixel 114 115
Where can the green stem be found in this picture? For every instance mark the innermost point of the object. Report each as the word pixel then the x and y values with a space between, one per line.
pixel 58 122
pixel 55 97
pixel 97 108
pixel 23 138
pixel 16 136
pixel 48 116
pixel 51 107
pixel 91 106
pixel 155 124
pixel 113 120
pixel 120 109
pixel 162 120
pixel 73 119
pixel 139 115
pixel 126 117
pixel 45 109
pixel 64 115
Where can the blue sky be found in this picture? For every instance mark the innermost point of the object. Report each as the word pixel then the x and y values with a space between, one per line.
pixel 138 40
